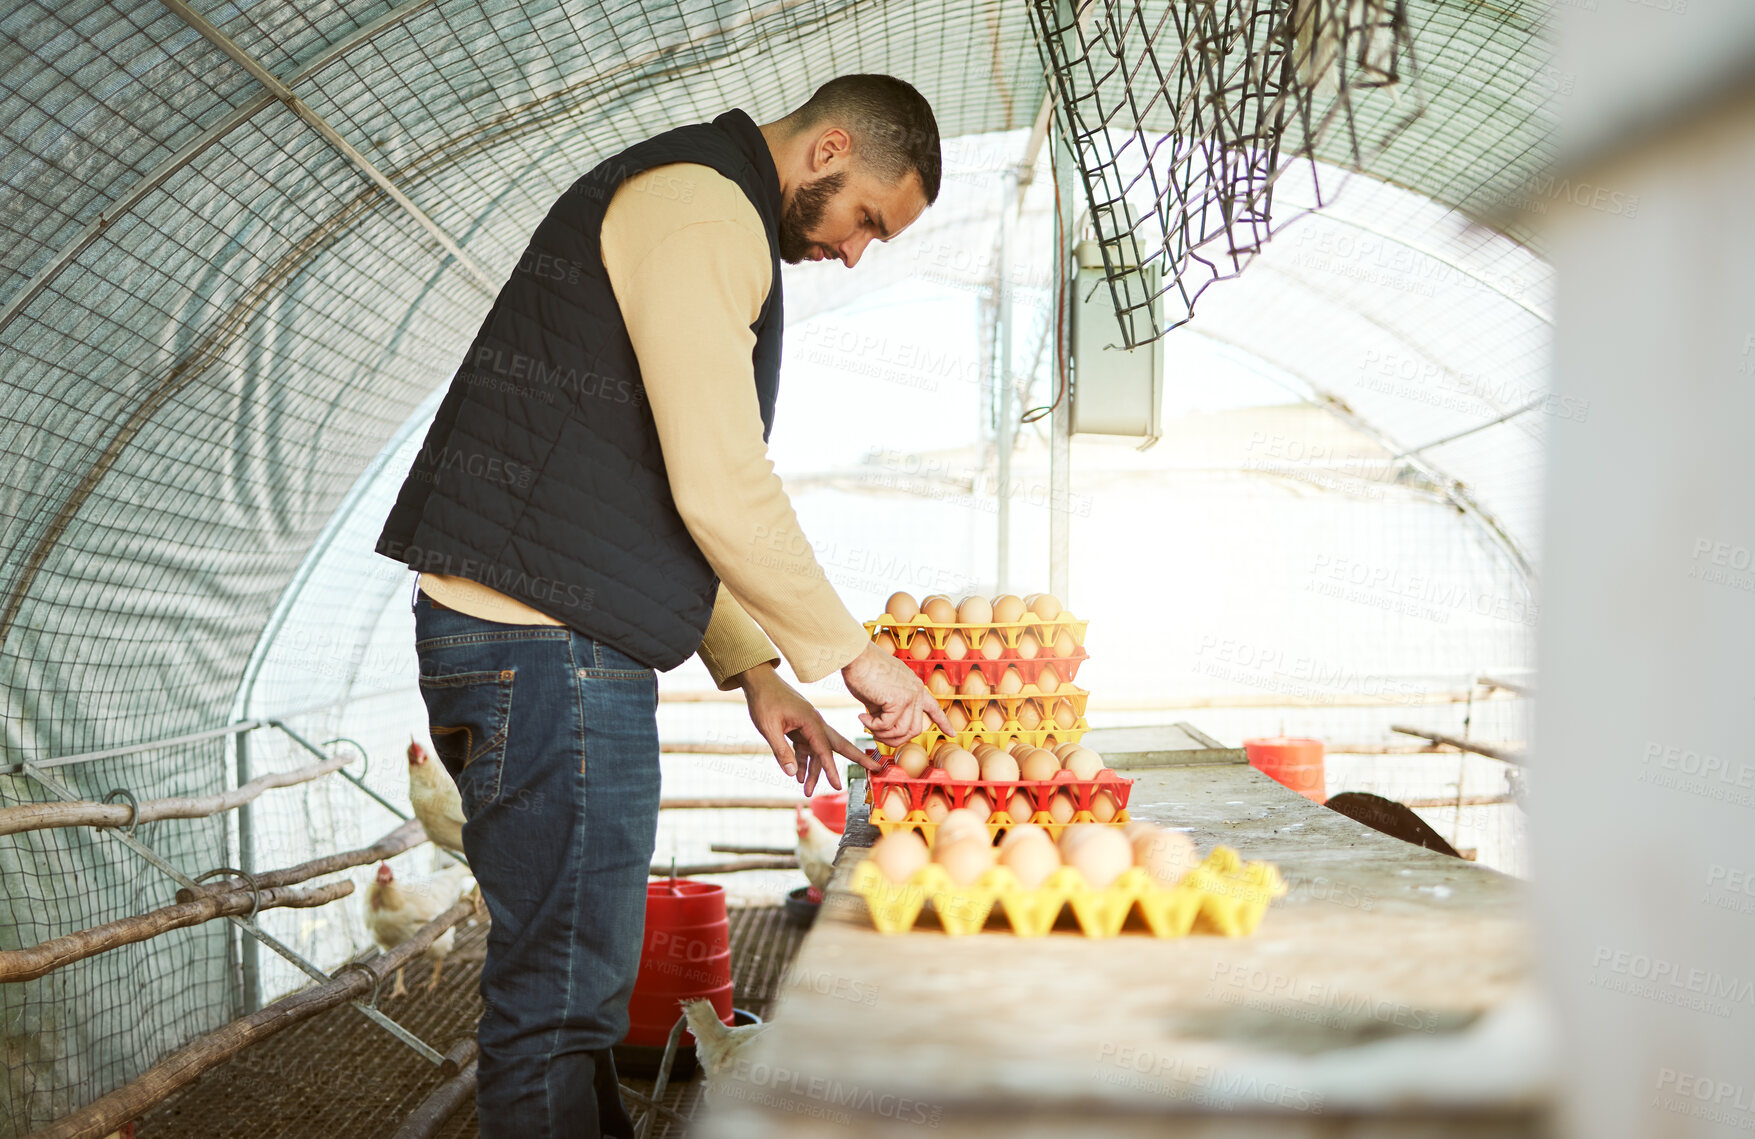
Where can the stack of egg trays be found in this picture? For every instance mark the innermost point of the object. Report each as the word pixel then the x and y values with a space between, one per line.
pixel 997 791
pixel 1009 701
pixel 1230 894
pixel 1007 631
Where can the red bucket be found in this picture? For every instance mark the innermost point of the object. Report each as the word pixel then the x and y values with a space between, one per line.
pixel 687 954
pixel 1297 763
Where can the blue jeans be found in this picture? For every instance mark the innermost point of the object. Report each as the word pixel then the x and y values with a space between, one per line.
pixel 552 738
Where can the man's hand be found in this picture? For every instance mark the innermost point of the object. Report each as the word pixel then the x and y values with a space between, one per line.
pixel 796 730
pixel 893 696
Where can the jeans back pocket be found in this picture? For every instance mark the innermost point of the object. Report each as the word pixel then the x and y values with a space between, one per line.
pixel 467 714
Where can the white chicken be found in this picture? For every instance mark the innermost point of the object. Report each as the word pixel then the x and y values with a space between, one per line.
pixel 435 799
pixel 817 846
pixel 717 1044
pixel 396 910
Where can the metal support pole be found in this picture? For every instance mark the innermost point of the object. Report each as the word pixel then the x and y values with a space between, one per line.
pixel 249 960
pixel 1005 416
pixel 1060 420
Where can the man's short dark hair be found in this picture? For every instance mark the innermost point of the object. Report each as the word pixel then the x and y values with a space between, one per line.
pixel 891 125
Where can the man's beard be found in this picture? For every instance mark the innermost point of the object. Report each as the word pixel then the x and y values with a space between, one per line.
pixel 804 213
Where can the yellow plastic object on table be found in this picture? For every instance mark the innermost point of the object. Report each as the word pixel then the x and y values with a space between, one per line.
pixel 1231 895
pixel 1010 734
pixel 1007 631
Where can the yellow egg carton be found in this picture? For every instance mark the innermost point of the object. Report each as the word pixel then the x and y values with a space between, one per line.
pixel 1007 631
pixel 1012 701
pixel 1004 737
pixel 1229 895
pixel 997 823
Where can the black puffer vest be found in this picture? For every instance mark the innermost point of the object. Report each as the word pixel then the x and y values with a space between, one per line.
pixel 542 475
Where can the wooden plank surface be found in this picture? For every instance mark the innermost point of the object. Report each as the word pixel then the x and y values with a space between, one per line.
pixel 1385 995
pixel 1160 745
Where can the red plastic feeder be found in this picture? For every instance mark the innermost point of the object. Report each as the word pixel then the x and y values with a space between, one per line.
pixel 686 955
pixel 831 810
pixel 1297 763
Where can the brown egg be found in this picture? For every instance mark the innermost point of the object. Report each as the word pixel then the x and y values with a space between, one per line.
pixel 885 641
pixel 1046 606
pixel 1077 833
pixel 1020 748
pixel 936 806
pixel 993 717
pixel 1083 763
pixel 964 860
pixel 1138 827
pixel 1024 832
pixel 1019 808
pixel 1007 608
pixel 960 764
pixel 941 748
pixel 939 610
pixel 939 684
pixel 1103 807
pixel 920 647
pixel 992 647
pixel 959 719
pixel 962 820
pixel 895 806
pixel 1028 716
pixel 912 759
pixel 1048 680
pixel 998 767
pixel 1065 715
pixel 1037 765
pixel 975 684
pixel 902 606
pixel 1029 645
pixel 975 611
pixel 983 749
pixel 1165 855
pixel 1060 807
pixel 977 804
pixel 1061 750
pixel 1031 861
pixel 1064 645
pixel 1101 856
pixel 956 646
pixel 1011 683
pixel 899 854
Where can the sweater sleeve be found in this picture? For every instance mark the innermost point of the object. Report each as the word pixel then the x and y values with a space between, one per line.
pixel 691 277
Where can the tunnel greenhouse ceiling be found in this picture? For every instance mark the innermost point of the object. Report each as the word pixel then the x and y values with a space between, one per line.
pixel 242 241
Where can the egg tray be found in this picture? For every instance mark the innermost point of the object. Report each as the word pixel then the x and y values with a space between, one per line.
pixel 957 671
pixel 1010 702
pixel 1229 895
pixel 1039 791
pixel 1006 631
pixel 997 823
pixel 1004 737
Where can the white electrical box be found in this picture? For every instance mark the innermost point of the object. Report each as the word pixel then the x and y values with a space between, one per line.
pixel 1115 391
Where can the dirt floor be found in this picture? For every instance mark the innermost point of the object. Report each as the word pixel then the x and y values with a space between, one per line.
pixel 340 1076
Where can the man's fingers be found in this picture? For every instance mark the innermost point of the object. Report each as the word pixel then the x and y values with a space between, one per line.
pixel 937 714
pixel 782 750
pixel 840 743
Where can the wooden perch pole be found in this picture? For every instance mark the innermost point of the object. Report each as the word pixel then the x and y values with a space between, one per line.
pixel 729 848
pixel 46 957
pixel 1503 754
pixel 727 804
pixel 131 1100
pixel 409 834
pixel 439 1106
pixel 731 867
pixel 42 816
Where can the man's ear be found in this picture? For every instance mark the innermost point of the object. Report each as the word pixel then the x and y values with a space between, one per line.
pixel 833 142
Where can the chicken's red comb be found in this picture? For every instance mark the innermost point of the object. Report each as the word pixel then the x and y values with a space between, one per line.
pixel 416 754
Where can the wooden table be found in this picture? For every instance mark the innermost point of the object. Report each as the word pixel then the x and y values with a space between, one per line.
pixel 1386 994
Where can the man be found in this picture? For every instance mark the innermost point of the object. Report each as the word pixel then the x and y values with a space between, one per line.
pixel 593 503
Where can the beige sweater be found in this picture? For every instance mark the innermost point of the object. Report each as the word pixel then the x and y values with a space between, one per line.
pixel 687 256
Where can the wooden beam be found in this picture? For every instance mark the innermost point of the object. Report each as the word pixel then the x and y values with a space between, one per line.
pixel 432 1113
pixel 42 816
pixel 209 1050
pixel 47 956
pixel 732 867
pixel 404 837
pixel 1465 801
pixel 779 851
pixel 1503 754
pixel 728 804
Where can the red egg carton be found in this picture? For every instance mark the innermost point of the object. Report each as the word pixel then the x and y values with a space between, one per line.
pixel 957 671
pixel 998 792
